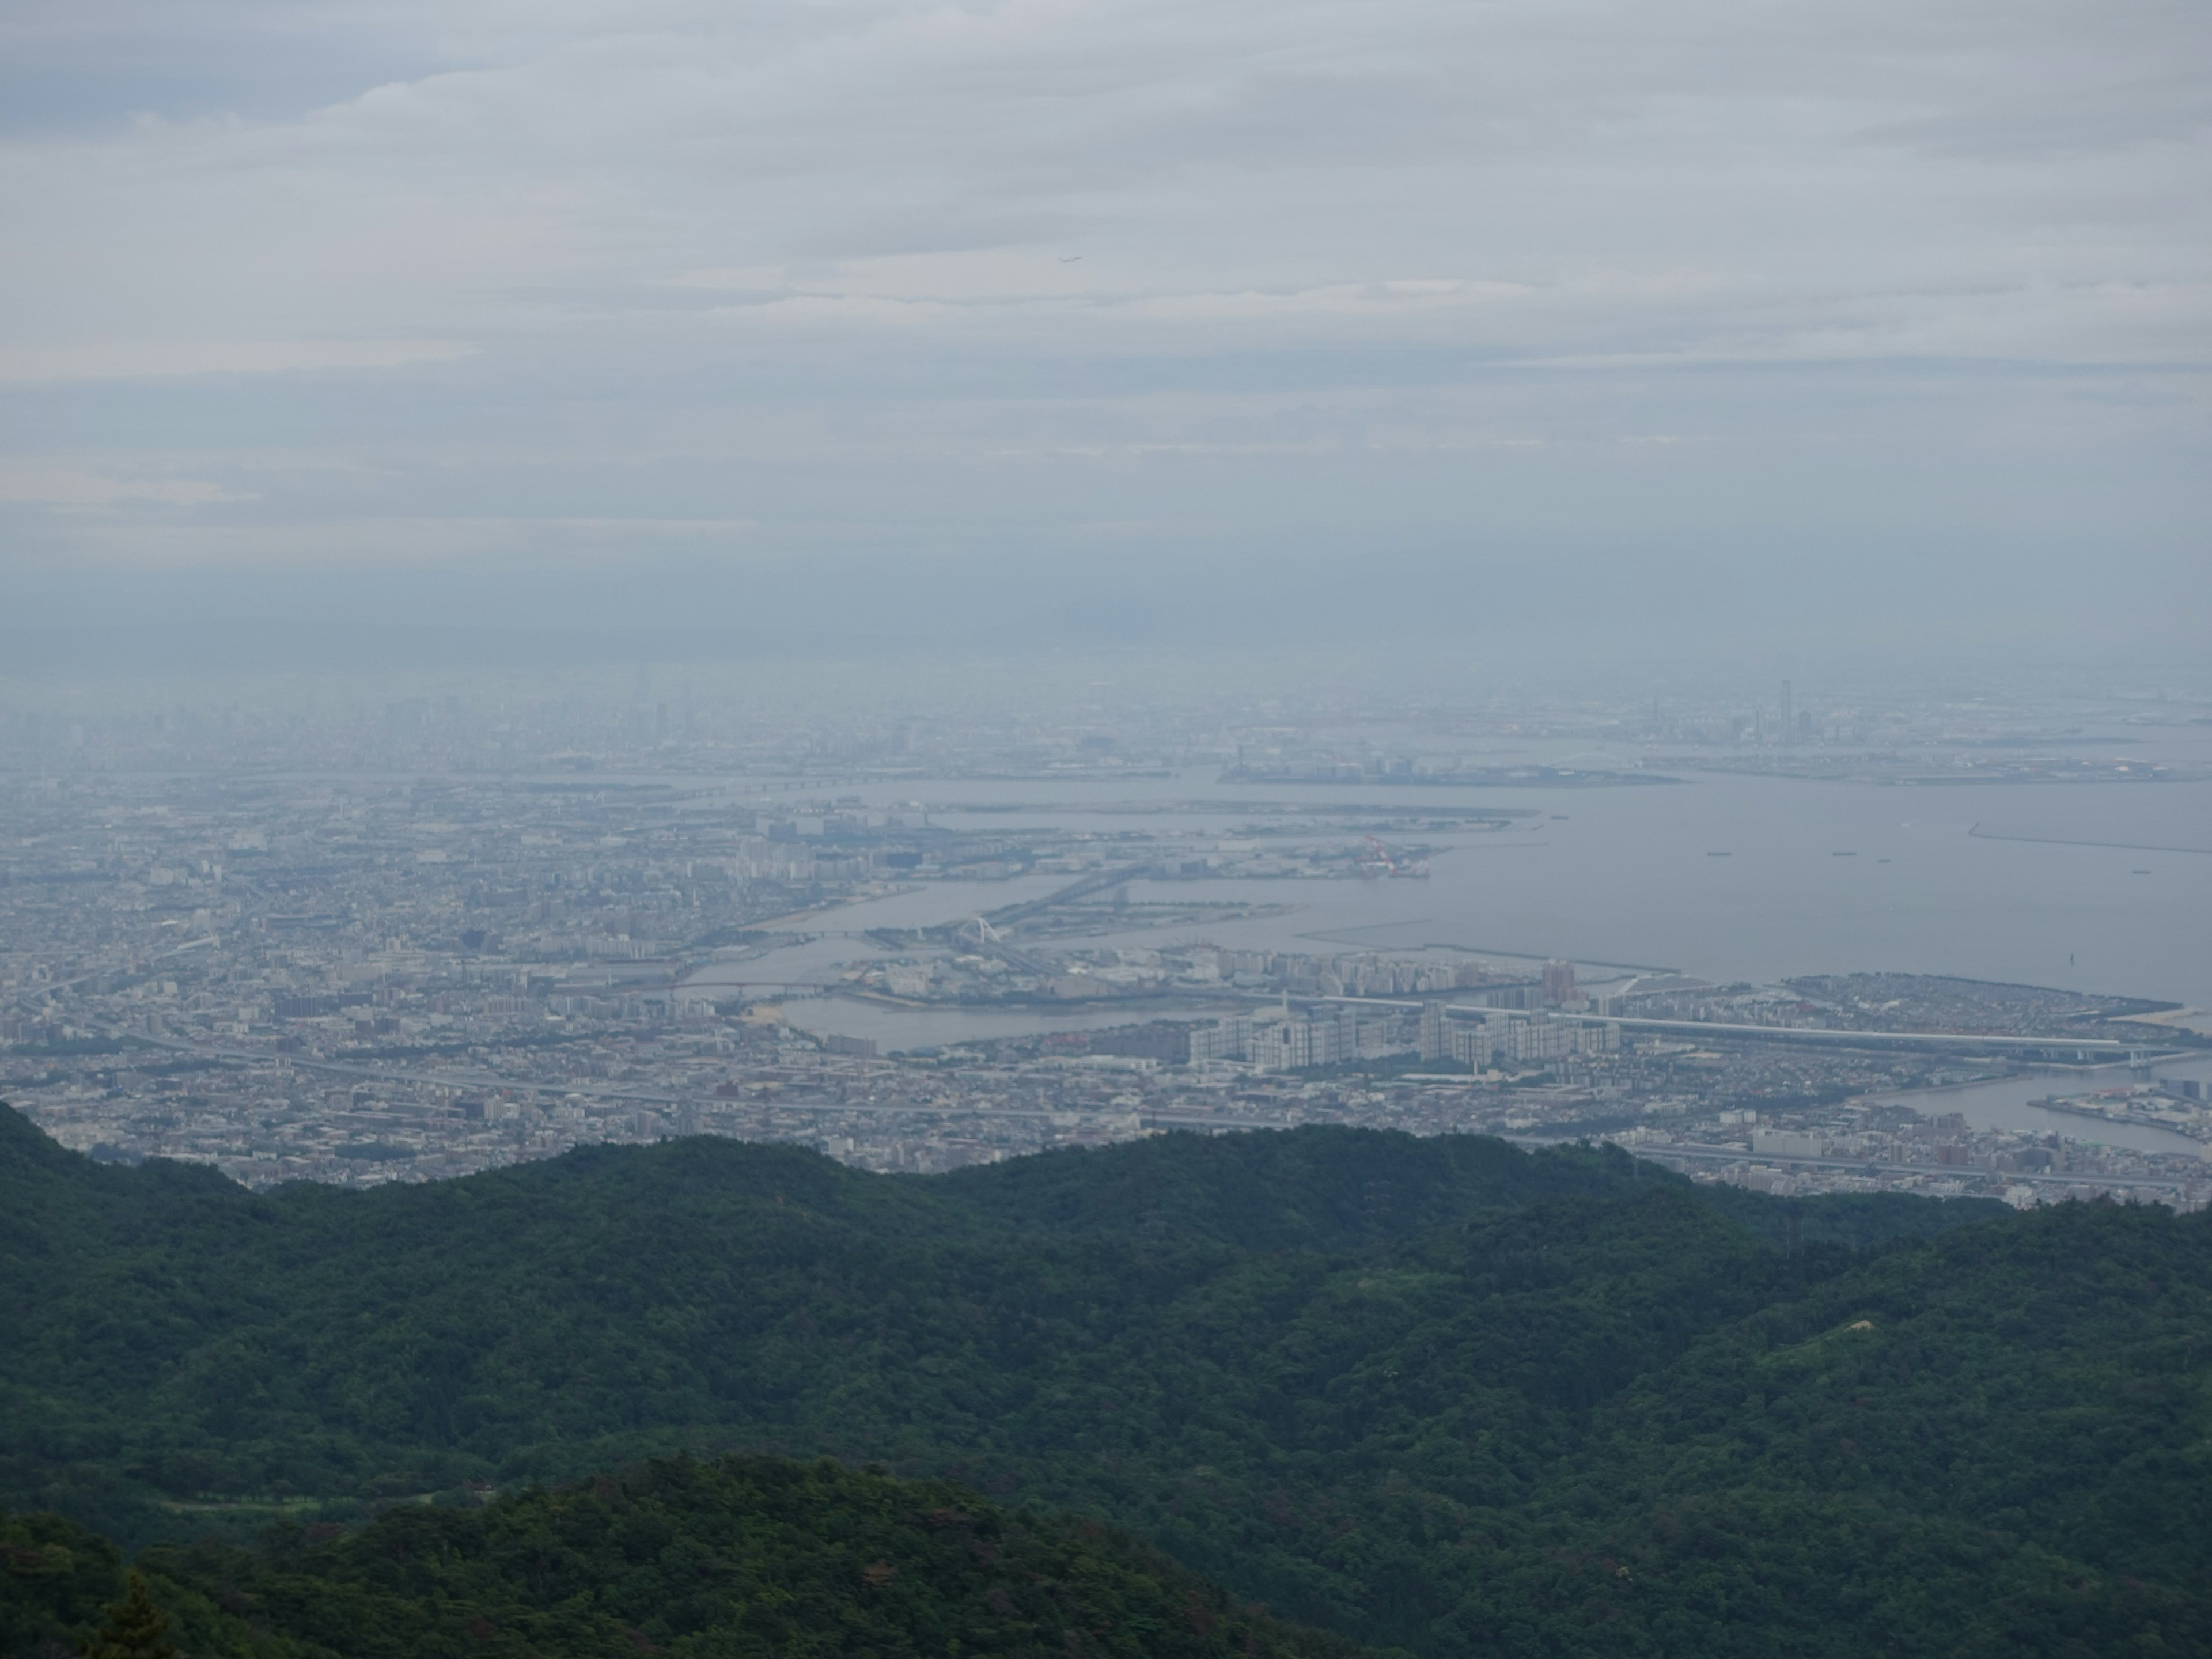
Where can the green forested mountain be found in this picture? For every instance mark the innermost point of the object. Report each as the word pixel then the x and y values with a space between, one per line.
pixel 1439 1393
pixel 745 1558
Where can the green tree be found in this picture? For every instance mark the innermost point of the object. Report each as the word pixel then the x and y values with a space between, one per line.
pixel 134 1628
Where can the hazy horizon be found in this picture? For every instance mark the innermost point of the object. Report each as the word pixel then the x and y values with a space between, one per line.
pixel 1826 336
pixel 1407 807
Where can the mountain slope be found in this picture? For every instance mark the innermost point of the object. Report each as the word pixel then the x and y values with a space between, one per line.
pixel 1437 1393
pixel 2000 1443
pixel 1313 1190
pixel 736 1558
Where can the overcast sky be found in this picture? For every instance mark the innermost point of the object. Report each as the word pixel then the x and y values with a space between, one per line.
pixel 1845 324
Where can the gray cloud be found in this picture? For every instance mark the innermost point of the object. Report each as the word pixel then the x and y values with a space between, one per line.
pixel 995 295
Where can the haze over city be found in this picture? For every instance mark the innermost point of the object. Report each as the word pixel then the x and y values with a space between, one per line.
pixel 1367 831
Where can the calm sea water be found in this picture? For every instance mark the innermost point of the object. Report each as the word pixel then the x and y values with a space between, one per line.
pixel 2007 1104
pixel 1819 877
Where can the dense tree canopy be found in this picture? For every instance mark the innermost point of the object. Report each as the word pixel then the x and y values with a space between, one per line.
pixel 1439 1393
pixel 745 1558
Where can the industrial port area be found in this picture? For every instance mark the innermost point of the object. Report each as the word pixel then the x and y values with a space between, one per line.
pixel 291 973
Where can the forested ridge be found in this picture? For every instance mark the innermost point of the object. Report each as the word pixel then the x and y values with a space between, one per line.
pixel 1436 1394
pixel 743 1558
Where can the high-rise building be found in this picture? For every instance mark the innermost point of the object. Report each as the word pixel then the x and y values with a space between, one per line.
pixel 1485 1043
pixel 1789 724
pixel 1559 982
pixel 1475 1043
pixel 1289 1045
pixel 1225 1039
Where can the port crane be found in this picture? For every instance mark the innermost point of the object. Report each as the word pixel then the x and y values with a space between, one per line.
pixel 1378 860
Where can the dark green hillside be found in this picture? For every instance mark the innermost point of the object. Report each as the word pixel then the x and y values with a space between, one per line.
pixel 1314 1189
pixel 199 1339
pixel 737 1558
pixel 2050 1378
pixel 1440 1394
pixel 2000 1443
pixel 57 1579
pixel 1859 1221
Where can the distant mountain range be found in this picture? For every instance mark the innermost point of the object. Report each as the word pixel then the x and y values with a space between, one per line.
pixel 1439 1394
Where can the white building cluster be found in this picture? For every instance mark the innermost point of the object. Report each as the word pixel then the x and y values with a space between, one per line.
pixel 1479 1039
